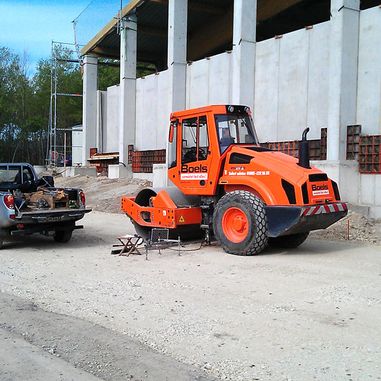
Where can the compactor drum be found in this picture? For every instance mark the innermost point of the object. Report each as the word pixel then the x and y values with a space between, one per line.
pixel 227 186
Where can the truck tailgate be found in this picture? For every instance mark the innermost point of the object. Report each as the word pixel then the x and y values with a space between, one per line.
pixel 51 216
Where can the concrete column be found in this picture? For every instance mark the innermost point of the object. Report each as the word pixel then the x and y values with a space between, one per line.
pixel 90 85
pixel 177 51
pixel 100 124
pixel 177 57
pixel 127 96
pixel 343 71
pixel 244 39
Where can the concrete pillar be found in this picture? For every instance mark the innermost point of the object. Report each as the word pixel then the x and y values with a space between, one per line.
pixel 100 125
pixel 90 85
pixel 343 71
pixel 127 96
pixel 177 51
pixel 244 39
pixel 177 57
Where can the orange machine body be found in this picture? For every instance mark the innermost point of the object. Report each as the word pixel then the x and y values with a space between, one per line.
pixel 214 150
pixel 161 213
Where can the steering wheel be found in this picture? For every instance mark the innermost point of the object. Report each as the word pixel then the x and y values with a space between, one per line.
pixel 191 155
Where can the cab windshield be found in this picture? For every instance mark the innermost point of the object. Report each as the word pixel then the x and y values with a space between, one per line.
pixel 235 129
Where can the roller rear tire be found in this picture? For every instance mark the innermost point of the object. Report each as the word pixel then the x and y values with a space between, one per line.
pixel 288 241
pixel 240 223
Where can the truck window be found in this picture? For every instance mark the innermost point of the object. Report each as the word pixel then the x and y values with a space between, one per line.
pixel 9 174
pixel 26 175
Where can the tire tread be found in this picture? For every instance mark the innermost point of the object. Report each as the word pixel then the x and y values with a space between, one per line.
pixel 250 200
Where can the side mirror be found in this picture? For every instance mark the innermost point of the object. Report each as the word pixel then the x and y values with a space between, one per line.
pixel 171 133
pixel 172 127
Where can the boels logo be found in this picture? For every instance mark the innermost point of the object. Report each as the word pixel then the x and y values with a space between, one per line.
pixel 198 169
pixel 319 187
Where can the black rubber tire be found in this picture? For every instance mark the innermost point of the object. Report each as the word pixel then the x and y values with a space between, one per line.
pixel 63 236
pixel 1 243
pixel 288 241
pixel 254 210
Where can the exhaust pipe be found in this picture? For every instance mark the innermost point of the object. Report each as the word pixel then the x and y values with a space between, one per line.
pixel 304 151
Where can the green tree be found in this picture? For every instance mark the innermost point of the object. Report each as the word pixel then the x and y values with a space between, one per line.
pixel 25 102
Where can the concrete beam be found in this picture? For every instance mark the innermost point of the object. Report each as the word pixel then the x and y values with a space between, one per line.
pixel 127 105
pixel 89 111
pixel 343 71
pixel 244 39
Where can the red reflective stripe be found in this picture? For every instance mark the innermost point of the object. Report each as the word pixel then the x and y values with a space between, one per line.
pixel 323 209
pixel 316 210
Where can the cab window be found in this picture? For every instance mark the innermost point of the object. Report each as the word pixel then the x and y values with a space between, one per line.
pixel 172 147
pixel 235 129
pixel 195 145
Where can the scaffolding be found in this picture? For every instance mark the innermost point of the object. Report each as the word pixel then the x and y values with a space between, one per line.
pixel 85 25
pixel 59 144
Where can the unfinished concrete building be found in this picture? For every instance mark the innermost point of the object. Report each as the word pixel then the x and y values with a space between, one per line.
pixel 296 63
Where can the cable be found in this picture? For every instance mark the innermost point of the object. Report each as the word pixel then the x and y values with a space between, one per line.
pixel 185 250
pixel 84 10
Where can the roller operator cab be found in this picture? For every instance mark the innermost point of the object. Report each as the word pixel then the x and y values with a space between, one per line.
pixel 228 186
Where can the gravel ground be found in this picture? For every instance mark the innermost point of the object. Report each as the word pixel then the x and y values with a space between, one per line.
pixel 308 314
pixel 38 345
pixel 354 227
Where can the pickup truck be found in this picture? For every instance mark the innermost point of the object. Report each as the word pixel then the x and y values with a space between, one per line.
pixel 29 204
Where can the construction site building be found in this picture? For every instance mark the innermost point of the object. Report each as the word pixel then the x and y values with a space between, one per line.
pixel 296 63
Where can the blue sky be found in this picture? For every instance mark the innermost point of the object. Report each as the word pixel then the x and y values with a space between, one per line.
pixel 30 25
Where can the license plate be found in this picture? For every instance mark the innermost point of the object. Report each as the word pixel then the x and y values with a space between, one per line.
pixel 55 218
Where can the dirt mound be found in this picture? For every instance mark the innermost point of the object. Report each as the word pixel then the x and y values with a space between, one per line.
pixel 354 227
pixel 103 194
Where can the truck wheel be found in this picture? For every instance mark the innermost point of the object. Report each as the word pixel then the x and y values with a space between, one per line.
pixel 240 223
pixel 63 236
pixel 288 241
pixel 1 243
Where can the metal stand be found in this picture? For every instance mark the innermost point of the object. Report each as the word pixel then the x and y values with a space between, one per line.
pixel 159 240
